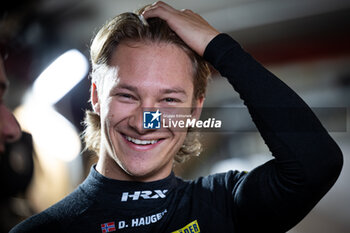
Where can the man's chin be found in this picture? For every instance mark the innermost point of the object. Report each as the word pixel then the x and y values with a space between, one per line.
pixel 141 176
pixel 144 174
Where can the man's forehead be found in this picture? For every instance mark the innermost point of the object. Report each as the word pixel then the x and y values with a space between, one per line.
pixel 141 56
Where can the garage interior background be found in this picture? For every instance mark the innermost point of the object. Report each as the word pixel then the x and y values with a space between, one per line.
pixel 305 43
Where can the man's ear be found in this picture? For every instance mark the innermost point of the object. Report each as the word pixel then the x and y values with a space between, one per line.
pixel 197 107
pixel 94 99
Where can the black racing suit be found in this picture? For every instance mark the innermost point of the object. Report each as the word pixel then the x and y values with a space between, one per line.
pixel 271 198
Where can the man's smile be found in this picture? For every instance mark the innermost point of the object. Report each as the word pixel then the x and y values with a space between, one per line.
pixel 140 142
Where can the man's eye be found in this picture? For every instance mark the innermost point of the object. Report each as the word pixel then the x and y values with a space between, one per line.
pixel 125 96
pixel 171 100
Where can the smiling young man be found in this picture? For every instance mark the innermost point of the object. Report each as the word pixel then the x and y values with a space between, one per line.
pixel 160 63
pixel 149 74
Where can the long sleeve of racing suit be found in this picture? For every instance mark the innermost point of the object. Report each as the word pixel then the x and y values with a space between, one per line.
pixel 275 196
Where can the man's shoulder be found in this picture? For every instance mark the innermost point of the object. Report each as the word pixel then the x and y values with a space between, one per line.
pixel 213 184
pixel 70 206
pixel 223 179
pixel 214 192
pixel 56 216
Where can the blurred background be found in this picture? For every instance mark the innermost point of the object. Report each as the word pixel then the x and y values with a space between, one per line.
pixel 306 43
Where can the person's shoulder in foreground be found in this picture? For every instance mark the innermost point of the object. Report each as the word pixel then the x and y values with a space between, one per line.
pixel 10 130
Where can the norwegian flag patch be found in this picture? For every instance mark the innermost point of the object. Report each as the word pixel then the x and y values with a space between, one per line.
pixel 108 227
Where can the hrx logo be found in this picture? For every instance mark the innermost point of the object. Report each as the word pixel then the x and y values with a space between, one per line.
pixel 147 194
pixel 151 120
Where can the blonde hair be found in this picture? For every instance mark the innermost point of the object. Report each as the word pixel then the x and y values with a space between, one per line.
pixel 130 27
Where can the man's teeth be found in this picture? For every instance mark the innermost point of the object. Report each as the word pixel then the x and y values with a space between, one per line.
pixel 140 142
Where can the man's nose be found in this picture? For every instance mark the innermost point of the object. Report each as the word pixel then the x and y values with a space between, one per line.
pixel 10 129
pixel 136 120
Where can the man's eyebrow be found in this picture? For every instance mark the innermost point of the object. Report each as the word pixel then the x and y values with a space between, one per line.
pixel 126 86
pixel 163 91
pixel 173 90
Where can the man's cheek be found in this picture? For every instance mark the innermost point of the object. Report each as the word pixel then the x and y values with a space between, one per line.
pixel 117 112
